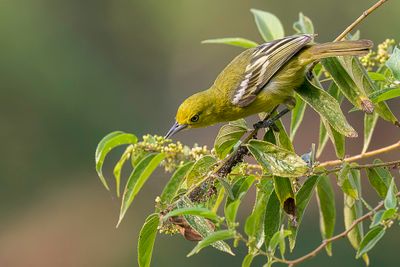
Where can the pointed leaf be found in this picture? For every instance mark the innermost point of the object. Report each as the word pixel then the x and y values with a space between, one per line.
pixel 273 217
pixel 352 211
pixel 278 239
pixel 197 211
pixel 146 240
pixel 391 199
pixel 333 90
pixel 284 192
pixel 379 178
pixel 385 94
pixel 338 140
pixel 201 225
pixel 297 115
pixel 174 183
pixel 200 169
pixel 229 135
pixel 377 219
pixel 254 226
pixel 106 144
pixel 393 63
pixel 269 26
pixel 234 41
pixel 211 239
pixel 281 136
pixel 370 121
pixel 303 25
pixel 356 95
pixel 118 167
pixel 276 160
pixel 137 179
pixel 248 260
pixel 327 107
pixel 303 197
pixel 327 210
pixel 239 190
pixel 370 240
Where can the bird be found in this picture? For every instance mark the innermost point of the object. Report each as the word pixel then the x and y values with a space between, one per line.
pixel 259 80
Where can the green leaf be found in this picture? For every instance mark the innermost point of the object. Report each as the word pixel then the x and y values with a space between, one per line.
pixel 389 214
pixel 346 181
pixel 276 160
pixel 376 76
pixel 393 63
pixel 303 197
pixel 200 169
pixel 229 135
pixel 297 115
pixel 352 211
pixel 370 121
pixel 248 260
pixel 327 210
pixel 106 144
pixel 338 140
pixel 211 239
pixel 137 179
pixel 377 219
pixel 254 226
pixel 284 192
pixel 269 26
pixel 370 240
pixel 333 90
pixel 279 239
pixel 146 240
pixel 361 79
pixel 303 25
pixel 385 94
pixel 273 217
pixel 118 167
pixel 239 190
pixel 379 178
pixel 391 199
pixel 197 211
pixel 355 94
pixel 234 41
pixel 281 136
pixel 174 183
pixel 201 225
pixel 327 107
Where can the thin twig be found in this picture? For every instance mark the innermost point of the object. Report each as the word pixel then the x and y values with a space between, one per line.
pixel 324 243
pixel 366 166
pixel 359 19
pixel 362 155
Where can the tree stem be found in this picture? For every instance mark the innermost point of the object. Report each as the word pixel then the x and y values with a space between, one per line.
pixel 334 238
pixel 359 19
pixel 362 155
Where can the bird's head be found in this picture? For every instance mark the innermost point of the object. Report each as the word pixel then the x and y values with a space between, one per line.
pixel 196 111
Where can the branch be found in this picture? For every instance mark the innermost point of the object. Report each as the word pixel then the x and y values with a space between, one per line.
pixel 362 155
pixel 324 243
pixel 366 166
pixel 359 19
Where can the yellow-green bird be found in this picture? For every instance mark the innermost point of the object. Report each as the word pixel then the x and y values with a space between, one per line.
pixel 260 79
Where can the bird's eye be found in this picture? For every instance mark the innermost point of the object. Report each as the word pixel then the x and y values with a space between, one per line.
pixel 195 118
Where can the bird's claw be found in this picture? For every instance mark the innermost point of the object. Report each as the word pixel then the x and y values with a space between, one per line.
pixel 266 124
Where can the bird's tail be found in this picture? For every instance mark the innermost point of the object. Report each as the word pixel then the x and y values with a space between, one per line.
pixel 341 48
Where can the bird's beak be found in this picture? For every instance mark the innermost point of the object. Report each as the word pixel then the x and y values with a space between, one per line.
pixel 175 128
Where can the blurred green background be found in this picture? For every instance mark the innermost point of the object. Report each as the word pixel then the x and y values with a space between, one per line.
pixel 72 71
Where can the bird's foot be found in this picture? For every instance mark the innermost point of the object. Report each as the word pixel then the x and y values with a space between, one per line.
pixel 269 123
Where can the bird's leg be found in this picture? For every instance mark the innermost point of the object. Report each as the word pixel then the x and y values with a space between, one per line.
pixel 269 122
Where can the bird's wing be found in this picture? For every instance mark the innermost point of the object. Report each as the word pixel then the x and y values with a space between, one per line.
pixel 266 60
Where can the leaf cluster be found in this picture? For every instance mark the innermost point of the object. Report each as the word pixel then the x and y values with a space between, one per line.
pixel 201 202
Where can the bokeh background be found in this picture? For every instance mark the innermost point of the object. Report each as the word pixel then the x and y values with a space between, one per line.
pixel 71 71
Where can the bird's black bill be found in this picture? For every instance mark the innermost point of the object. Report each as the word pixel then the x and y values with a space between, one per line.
pixel 174 129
